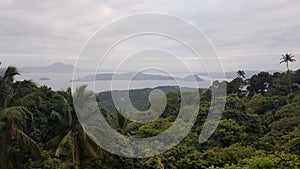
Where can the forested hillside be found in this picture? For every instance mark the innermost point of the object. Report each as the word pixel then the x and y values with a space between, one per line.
pixel 260 128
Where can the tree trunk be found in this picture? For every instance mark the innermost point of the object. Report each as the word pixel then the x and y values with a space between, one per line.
pixel 289 77
pixel 13 128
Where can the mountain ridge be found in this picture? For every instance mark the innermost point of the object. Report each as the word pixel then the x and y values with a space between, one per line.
pixel 57 67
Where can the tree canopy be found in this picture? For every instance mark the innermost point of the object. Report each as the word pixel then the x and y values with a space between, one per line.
pixel 39 128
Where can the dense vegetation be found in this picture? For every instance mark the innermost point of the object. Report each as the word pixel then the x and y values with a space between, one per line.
pixel 259 129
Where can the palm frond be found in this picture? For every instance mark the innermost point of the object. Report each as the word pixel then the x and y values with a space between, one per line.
pixel 92 148
pixel 9 74
pixel 65 119
pixel 28 142
pixel 18 112
pixel 82 96
pixel 283 61
pixel 54 141
pixel 55 114
pixel 68 110
pixel 111 119
pixel 67 139
pixel 24 100
pixel 287 58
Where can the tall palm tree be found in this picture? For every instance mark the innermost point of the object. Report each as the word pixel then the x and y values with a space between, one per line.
pixel 73 135
pixel 13 116
pixel 286 59
pixel 11 107
pixel 241 73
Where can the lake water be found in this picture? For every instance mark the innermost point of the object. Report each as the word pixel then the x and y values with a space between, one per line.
pixel 61 81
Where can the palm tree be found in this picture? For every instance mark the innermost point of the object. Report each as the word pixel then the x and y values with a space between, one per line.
pixel 11 108
pixel 241 73
pixel 241 76
pixel 13 116
pixel 72 134
pixel 286 59
pixel 7 75
pixel 6 80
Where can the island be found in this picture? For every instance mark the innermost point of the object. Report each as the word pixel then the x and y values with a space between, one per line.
pixel 44 79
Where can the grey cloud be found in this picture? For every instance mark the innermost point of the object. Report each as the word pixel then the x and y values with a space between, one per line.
pixel 34 32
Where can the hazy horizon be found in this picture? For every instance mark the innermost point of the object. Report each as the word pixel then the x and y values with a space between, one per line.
pixel 125 71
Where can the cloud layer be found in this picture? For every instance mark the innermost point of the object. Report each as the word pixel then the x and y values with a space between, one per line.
pixel 247 34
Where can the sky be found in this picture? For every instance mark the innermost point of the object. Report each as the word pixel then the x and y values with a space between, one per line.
pixel 247 34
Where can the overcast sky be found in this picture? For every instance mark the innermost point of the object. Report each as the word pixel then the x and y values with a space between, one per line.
pixel 249 35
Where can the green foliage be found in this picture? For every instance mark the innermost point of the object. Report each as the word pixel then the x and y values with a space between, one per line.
pixel 279 84
pixel 257 104
pixel 39 127
pixel 234 86
pixel 229 155
pixel 154 128
pixel 259 83
pixel 46 161
pixel 275 160
pixel 233 102
pixel 228 133
pixel 152 162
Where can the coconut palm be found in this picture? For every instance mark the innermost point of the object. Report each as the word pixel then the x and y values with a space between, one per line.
pixel 286 59
pixel 13 116
pixel 241 73
pixel 11 107
pixel 72 135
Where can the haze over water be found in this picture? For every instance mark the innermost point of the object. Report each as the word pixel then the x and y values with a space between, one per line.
pixel 58 81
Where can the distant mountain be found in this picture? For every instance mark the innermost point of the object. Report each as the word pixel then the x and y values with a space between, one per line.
pixel 57 67
pixel 134 76
pixel 192 78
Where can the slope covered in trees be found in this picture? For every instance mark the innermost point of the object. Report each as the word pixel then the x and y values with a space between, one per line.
pixel 39 128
